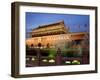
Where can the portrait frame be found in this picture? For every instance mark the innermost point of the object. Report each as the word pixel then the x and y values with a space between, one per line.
pixel 16 49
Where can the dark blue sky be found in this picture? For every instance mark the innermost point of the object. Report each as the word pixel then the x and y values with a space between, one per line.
pixel 76 23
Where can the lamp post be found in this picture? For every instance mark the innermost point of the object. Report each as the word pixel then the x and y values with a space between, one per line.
pixel 58 57
pixel 39 54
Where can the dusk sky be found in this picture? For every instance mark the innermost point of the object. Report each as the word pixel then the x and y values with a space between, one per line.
pixel 76 23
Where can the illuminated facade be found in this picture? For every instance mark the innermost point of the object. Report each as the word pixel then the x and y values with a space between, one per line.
pixel 53 34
